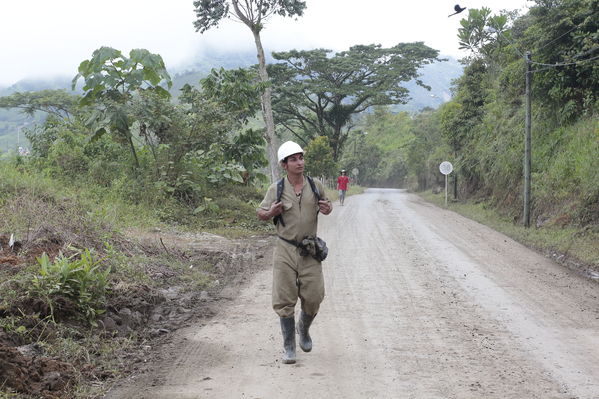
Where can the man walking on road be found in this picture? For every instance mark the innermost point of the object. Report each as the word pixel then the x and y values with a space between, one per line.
pixel 342 183
pixel 294 203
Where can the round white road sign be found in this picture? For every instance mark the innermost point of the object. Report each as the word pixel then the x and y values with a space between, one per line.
pixel 445 167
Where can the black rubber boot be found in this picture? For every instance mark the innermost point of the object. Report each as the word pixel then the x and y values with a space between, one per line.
pixel 288 329
pixel 303 327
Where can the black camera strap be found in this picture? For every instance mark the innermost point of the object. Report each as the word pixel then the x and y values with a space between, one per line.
pixel 292 242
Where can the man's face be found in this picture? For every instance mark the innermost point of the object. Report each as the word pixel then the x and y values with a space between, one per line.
pixel 295 163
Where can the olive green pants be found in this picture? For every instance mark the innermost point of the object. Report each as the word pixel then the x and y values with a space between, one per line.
pixel 295 276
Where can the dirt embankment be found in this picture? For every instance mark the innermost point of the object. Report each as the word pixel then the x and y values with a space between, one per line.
pixel 181 279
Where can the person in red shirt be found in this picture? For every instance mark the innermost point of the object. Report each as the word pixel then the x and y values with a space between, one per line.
pixel 342 183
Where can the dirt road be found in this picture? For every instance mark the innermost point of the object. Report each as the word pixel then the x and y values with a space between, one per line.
pixel 421 303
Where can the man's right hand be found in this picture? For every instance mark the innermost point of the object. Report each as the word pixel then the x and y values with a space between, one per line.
pixel 276 208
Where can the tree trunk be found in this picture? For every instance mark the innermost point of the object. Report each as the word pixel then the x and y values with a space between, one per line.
pixel 267 111
pixel 334 142
pixel 133 152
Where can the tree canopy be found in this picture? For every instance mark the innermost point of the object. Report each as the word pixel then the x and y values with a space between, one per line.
pixel 252 13
pixel 317 93
pixel 55 102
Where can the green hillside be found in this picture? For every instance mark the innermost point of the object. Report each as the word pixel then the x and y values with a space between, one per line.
pixel 439 76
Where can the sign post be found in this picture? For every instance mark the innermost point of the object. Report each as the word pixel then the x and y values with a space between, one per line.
pixel 445 168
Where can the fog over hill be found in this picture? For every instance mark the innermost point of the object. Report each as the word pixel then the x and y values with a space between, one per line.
pixel 438 76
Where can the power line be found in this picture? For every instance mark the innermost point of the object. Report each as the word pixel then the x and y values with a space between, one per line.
pixel 517 49
pixel 568 63
pixel 550 66
pixel 557 38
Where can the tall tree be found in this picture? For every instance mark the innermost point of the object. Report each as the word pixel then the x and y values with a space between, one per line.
pixel 252 13
pixel 317 94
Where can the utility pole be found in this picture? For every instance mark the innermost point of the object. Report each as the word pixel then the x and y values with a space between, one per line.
pixel 527 143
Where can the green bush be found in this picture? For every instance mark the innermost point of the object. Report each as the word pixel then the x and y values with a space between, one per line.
pixel 82 281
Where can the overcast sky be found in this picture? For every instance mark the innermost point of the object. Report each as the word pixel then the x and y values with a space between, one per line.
pixel 43 38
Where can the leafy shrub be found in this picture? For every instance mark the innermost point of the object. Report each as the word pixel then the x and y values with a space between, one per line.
pixel 82 281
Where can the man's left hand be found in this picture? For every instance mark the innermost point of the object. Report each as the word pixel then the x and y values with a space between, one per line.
pixel 325 207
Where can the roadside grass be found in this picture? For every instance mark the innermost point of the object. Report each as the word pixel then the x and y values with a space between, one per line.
pixel 31 202
pixel 195 278
pixel 235 215
pixel 7 393
pixel 50 216
pixel 567 244
pixel 90 353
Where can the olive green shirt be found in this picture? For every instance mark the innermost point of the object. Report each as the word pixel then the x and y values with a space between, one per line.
pixel 300 213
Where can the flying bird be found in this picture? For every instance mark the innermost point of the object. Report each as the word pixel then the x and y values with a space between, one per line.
pixel 457 9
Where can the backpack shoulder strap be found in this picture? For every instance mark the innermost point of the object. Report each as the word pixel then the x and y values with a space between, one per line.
pixel 280 186
pixel 314 188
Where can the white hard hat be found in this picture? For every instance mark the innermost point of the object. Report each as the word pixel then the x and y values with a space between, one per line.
pixel 288 148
